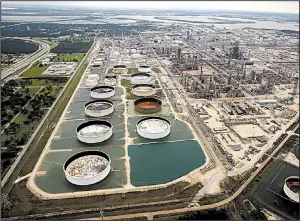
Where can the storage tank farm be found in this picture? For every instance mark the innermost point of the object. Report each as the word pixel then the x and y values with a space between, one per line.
pixel 147 105
pixel 99 108
pixel 87 167
pixel 153 127
pixel 140 78
pixel 143 90
pixel 291 188
pixel 101 92
pixel 92 166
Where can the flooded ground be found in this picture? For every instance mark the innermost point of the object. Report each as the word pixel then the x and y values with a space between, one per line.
pixel 152 162
pixel 269 190
pixel 158 163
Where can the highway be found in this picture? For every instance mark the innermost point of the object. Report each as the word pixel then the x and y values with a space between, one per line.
pixel 17 68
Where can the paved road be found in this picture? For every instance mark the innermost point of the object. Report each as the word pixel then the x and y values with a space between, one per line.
pixel 8 73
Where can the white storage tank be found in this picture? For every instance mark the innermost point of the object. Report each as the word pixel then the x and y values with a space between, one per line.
pixel 87 167
pixel 291 188
pixel 140 78
pixel 153 127
pixel 110 81
pixel 120 69
pixel 143 90
pixel 91 83
pixel 144 68
pixel 99 108
pixel 102 92
pixel 95 131
pixel 93 77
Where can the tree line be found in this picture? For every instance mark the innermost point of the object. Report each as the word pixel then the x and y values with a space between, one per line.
pixel 17 46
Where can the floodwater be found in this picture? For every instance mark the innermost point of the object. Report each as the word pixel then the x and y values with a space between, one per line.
pixel 65 144
pixel 158 163
pixel 131 19
pixel 270 189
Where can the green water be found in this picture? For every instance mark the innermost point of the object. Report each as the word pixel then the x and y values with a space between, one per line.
pixel 158 163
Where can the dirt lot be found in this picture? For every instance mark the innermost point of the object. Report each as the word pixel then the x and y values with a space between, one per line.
pixel 25 203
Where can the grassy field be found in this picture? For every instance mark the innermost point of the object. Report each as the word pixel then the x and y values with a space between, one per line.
pixel 35 71
pixel 32 90
pixel 133 70
pixel 156 70
pixel 69 57
pixel 52 44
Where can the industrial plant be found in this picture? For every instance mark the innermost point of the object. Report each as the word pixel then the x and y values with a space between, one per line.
pixel 215 102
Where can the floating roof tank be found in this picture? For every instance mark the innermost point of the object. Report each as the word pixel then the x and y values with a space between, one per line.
pixel 153 127
pixel 291 188
pixel 144 68
pixel 147 105
pixel 140 78
pixel 87 167
pixel 95 131
pixel 99 108
pixel 102 92
pixel 143 90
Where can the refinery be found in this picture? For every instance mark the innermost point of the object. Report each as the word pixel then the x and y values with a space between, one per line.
pixel 216 107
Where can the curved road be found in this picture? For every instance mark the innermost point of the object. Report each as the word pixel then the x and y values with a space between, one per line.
pixel 9 73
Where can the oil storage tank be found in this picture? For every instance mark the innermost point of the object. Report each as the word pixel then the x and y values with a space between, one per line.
pixel 291 188
pixel 153 127
pixel 143 90
pixel 87 167
pixel 92 80
pixel 110 79
pixel 94 131
pixel 140 78
pixel 120 69
pixel 102 92
pixel 147 105
pixel 144 68
pixel 99 108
